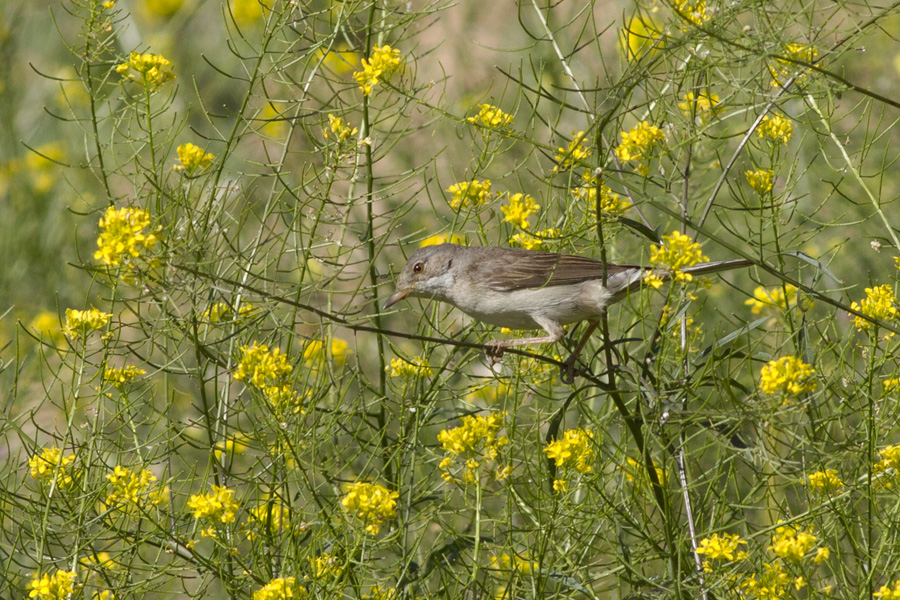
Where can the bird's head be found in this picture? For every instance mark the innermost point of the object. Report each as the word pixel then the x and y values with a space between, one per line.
pixel 429 273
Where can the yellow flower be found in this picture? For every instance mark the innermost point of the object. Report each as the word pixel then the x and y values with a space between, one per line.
pixel 217 506
pixel 46 325
pixel 886 593
pixel 634 471
pixel 573 450
pixel 491 117
pixel 119 377
pixel 247 12
pixel 339 129
pixel 314 353
pixel 269 518
pixel 326 566
pixel 471 444
pixel 891 385
pixel 760 180
pixel 261 367
pixel 162 8
pixel 413 368
pixel 611 204
pixel 193 159
pixel 128 487
pixel 51 466
pixel 787 375
pixel 442 238
pixel 574 153
pixel 825 482
pixel 154 70
pixel 59 586
pixel 774 299
pixel 220 312
pixel 469 193
pixel 781 70
pixel 82 322
pixel 370 503
pixel 383 63
pixel 700 105
pixel 879 303
pixel 233 445
pixel 791 544
pixel 772 584
pixel 722 547
pixel 639 145
pixel 531 241
pixel 123 236
pixel 697 14
pixel 281 588
pixel 822 554
pixel 677 252
pixel 642 36
pixel 519 209
pixel 776 129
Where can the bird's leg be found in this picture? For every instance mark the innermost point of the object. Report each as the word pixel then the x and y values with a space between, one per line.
pixel 555 332
pixel 567 372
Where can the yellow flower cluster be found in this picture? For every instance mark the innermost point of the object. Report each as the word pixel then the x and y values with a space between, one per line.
pixel 339 129
pixel 326 566
pixel 634 471
pixel 677 252
pixel 576 152
pixel 889 465
pixel 370 503
pixel 791 544
pixel 154 69
pixel 641 36
pixel 781 70
pixel 383 63
pixel 221 312
pixel 217 506
pixel 119 377
pixel 760 180
pixel 787 376
pixel 314 352
pixel 696 14
pixel 469 193
pixel 123 235
pixel 639 144
pixel 701 105
pixel 776 129
pixel 772 584
pixel 825 482
pixel 59 586
pixel 516 563
pixel 572 451
pixel 52 465
pixel 519 210
pixel 879 303
pixel 472 444
pixel 409 369
pixel 82 322
pixel 442 238
pixel 532 240
pixel 491 117
pixel 281 588
pixel 133 488
pixel 268 517
pixel 721 548
pixel 193 159
pixel 886 593
pixel 774 299
pixel 261 367
pixel 611 204
pixel 892 384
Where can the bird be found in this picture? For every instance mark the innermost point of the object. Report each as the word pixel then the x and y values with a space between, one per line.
pixel 526 289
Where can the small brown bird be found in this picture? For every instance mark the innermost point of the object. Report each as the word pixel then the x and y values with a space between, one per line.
pixel 525 289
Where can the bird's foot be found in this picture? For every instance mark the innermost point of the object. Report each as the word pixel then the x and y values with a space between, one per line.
pixel 494 350
pixel 567 370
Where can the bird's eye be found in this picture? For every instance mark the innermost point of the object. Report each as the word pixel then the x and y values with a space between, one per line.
pixel 418 267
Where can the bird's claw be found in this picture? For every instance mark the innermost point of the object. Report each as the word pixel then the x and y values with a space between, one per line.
pixel 494 350
pixel 567 370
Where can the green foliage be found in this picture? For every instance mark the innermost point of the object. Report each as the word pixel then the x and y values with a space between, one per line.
pixel 202 207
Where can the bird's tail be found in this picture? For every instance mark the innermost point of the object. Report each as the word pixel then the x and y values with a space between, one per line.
pixel 636 278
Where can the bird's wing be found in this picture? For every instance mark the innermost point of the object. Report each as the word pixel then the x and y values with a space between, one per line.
pixel 523 270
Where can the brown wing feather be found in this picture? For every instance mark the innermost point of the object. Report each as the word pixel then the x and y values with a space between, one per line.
pixel 524 269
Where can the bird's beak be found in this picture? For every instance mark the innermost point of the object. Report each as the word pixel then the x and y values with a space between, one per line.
pixel 397 297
